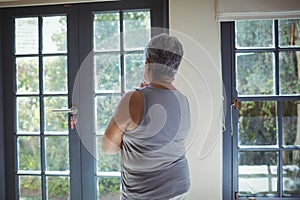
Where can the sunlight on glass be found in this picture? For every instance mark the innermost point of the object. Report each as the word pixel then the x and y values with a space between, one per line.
pixel 289 67
pixel 55 74
pixel 55 34
pixel 290 120
pixel 108 188
pixel 29 153
pixel 289 32
pixel 57 153
pixel 257 123
pixel 105 106
pixel 257 176
pixel 107 72
pixel 255 73
pixel 265 69
pixel 55 122
pixel 26 35
pixel 58 187
pixel 27 69
pixel 30 188
pixel 254 34
pixel 137 31
pixel 28 115
pixel 291 173
pixel 107 31
pixel 106 163
pixel 134 67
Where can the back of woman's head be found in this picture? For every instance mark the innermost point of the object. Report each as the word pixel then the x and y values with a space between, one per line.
pixel 164 54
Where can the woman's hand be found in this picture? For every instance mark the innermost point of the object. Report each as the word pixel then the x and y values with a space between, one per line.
pixel 144 84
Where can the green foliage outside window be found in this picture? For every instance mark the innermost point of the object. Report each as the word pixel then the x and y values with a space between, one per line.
pixel 258 120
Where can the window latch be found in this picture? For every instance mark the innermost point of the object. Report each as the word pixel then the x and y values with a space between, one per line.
pixel 235 104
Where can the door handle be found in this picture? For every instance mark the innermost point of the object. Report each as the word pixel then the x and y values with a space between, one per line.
pixel 73 110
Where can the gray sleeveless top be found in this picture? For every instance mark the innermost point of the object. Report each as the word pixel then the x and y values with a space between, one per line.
pixel 153 162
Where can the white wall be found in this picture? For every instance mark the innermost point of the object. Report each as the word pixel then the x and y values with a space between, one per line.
pixel 193 22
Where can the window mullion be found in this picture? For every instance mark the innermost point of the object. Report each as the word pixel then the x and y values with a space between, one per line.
pixel 122 56
pixel 277 86
pixel 41 88
pixel 279 112
pixel 280 152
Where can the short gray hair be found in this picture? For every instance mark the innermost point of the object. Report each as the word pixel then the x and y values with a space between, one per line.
pixel 164 53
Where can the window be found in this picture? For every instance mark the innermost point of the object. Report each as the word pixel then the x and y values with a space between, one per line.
pixel 263 88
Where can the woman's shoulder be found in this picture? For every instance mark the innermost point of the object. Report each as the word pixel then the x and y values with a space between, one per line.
pixel 134 101
pixel 133 98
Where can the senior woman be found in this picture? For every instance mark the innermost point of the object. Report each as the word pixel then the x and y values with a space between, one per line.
pixel 150 126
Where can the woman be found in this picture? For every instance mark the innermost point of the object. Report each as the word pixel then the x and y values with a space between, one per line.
pixel 150 126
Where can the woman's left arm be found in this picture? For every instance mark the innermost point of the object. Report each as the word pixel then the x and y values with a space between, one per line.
pixel 125 115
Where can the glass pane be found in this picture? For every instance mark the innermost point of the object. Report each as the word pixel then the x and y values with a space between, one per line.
pixel 255 73
pixel 257 123
pixel 30 188
pixel 289 68
pixel 289 32
pixel 55 34
pixel 257 173
pixel 290 123
pixel 254 33
pixel 56 122
pixel 106 163
pixel 134 67
pixel 26 35
pixel 27 74
pixel 105 108
pixel 136 29
pixel 29 157
pixel 108 188
pixel 57 153
pixel 58 188
pixel 107 31
pixel 55 74
pixel 28 115
pixel 291 173
pixel 108 72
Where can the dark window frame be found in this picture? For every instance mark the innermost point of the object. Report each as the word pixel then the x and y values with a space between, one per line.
pixel 230 136
pixel 2 144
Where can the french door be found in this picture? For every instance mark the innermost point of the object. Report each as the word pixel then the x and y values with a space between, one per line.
pixel 66 67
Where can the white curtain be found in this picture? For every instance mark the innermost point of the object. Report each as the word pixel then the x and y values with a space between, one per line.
pixel 229 10
pixel 18 3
